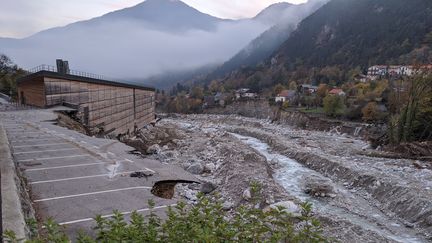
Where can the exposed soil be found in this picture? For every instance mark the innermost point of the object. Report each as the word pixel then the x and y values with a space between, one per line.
pixel 359 198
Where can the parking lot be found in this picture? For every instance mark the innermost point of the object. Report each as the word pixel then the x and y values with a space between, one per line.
pixel 73 177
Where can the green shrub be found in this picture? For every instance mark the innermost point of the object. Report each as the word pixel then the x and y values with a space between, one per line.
pixel 206 221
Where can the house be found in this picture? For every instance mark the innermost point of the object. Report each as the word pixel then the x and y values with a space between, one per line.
pixel 336 91
pixel 286 95
pixel 377 71
pixel 245 93
pixel 308 89
pixel 110 106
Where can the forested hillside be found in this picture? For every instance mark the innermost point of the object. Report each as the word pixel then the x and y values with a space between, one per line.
pixel 353 33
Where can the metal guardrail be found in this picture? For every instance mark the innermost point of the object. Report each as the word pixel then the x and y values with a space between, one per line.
pixel 50 68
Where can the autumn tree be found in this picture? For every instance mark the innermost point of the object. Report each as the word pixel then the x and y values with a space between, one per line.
pixel 334 105
pixel 293 85
pixel 278 89
pixel 321 93
pixel 370 112
pixel 197 92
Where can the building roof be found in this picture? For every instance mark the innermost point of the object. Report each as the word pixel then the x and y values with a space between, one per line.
pixel 287 93
pixel 51 74
pixel 336 91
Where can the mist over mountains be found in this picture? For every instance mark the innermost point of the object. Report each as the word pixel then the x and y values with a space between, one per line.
pixel 151 38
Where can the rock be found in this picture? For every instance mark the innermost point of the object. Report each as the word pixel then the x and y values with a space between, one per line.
pixel 247 194
pixel 289 207
pixel 190 195
pixel 208 187
pixel 196 168
pixel 227 205
pixel 209 168
pixel 194 186
pixel 154 149
pixel 318 186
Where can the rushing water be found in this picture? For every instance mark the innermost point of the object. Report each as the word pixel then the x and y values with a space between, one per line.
pixel 290 177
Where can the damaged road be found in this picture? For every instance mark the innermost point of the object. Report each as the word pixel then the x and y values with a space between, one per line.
pixel 70 177
pixel 358 198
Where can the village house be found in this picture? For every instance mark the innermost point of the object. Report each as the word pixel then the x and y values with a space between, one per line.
pixel 308 89
pixel 286 95
pixel 108 106
pixel 245 93
pixel 337 91
pixel 380 71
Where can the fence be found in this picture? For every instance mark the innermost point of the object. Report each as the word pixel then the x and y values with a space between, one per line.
pixel 50 68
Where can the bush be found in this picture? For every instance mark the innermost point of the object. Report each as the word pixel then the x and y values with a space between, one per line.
pixel 206 221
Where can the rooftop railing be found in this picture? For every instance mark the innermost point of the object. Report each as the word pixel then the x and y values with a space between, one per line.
pixel 50 68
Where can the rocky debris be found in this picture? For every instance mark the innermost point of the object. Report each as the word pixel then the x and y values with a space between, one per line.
pixel 232 165
pixel 208 187
pixel 288 207
pixel 319 186
pixel 154 149
pixel 142 174
pixel 195 168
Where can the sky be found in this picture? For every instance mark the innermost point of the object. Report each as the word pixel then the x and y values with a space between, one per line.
pixel 21 18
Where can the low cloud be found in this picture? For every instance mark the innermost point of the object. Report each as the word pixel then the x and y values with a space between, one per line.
pixel 129 50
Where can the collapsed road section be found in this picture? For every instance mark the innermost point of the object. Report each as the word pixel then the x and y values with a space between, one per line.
pixel 71 177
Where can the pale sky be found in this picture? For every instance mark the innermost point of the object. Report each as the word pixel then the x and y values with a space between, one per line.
pixel 21 18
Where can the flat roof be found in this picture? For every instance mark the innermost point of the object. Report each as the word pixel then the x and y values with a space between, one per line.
pixel 71 77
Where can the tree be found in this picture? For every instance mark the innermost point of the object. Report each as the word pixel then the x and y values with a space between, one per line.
pixel 9 73
pixel 293 85
pixel 321 93
pixel 278 89
pixel 334 105
pixel 214 86
pixel 197 92
pixel 370 112
pixel 414 121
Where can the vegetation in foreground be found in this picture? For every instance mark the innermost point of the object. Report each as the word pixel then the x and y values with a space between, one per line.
pixel 206 221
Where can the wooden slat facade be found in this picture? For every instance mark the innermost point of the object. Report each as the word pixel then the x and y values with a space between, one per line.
pixel 115 109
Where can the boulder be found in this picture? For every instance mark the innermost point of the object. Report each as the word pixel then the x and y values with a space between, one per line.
pixel 208 187
pixel 154 149
pixel 318 186
pixel 288 207
pixel 227 205
pixel 247 195
pixel 196 168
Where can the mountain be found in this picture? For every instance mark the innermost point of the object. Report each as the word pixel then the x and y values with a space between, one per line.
pixel 273 13
pixel 286 16
pixel 151 38
pixel 166 15
pixel 351 33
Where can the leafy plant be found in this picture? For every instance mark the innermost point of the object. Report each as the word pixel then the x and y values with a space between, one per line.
pixel 206 221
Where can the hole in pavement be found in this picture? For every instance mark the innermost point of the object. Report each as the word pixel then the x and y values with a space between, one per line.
pixel 166 189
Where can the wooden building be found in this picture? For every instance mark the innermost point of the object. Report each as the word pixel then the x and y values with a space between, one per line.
pixel 111 106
